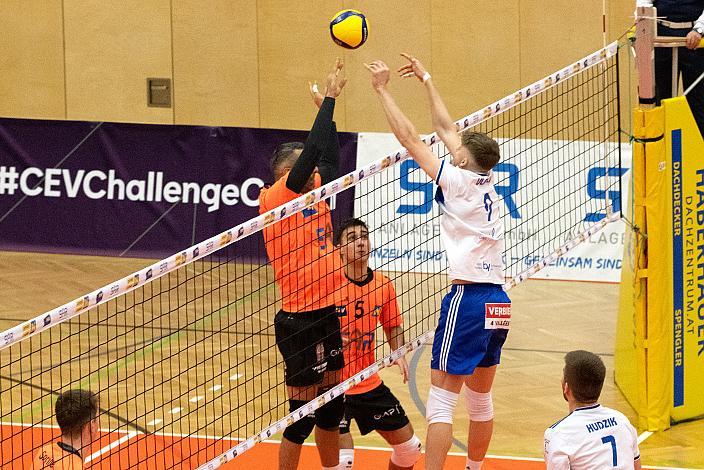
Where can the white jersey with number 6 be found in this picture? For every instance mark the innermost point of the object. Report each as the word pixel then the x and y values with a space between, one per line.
pixel 470 228
pixel 593 437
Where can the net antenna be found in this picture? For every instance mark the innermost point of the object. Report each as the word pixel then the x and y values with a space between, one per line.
pixel 182 352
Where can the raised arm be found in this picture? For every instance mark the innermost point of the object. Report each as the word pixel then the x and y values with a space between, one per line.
pixel 401 126
pixel 318 140
pixel 442 122
pixel 329 165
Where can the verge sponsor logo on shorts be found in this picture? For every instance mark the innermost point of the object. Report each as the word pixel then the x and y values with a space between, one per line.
pixel 497 316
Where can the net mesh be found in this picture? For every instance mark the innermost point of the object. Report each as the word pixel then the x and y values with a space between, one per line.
pixel 187 362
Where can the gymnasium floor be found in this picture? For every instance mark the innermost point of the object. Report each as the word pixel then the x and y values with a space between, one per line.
pixel 550 319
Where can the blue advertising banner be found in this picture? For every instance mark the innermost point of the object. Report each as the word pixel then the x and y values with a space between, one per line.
pixel 133 189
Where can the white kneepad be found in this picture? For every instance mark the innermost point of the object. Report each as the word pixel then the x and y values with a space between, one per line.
pixel 441 405
pixel 346 459
pixel 406 454
pixel 480 406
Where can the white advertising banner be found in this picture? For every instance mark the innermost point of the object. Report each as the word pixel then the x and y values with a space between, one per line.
pixel 404 231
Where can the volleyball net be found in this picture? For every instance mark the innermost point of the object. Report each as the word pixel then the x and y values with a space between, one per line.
pixel 186 347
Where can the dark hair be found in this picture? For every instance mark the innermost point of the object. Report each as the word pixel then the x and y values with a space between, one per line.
pixel 483 148
pixel 344 226
pixel 584 373
pixel 283 152
pixel 74 409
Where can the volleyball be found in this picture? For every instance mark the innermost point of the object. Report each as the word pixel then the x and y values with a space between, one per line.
pixel 349 29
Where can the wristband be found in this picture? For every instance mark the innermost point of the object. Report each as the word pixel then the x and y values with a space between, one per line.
pixel 426 77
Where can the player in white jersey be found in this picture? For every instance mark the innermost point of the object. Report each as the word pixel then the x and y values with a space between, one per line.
pixel 592 436
pixel 475 314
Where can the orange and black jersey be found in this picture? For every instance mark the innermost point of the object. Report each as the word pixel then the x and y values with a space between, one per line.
pixel 57 456
pixel 300 247
pixel 362 306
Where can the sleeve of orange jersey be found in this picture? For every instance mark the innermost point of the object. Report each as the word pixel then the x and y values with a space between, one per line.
pixel 278 193
pixel 390 314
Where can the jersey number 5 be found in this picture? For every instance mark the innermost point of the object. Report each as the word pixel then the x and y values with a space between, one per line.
pixel 488 203
pixel 610 440
pixel 359 309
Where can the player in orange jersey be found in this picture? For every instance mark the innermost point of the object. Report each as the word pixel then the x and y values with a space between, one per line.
pixel 301 252
pixel 77 416
pixel 367 299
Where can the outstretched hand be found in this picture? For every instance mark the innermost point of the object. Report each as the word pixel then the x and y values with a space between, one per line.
pixel 380 74
pixel 335 82
pixel 413 68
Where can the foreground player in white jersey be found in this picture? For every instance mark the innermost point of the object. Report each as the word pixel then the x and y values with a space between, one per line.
pixel 475 314
pixel 592 436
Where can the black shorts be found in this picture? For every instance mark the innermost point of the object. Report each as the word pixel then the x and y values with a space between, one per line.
pixel 310 343
pixel 375 410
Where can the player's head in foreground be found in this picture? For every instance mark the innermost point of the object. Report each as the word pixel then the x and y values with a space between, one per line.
pixel 77 416
pixel 583 377
pixel 285 156
pixel 478 151
pixel 353 239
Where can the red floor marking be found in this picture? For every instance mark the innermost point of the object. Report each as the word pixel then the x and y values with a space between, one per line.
pixel 18 444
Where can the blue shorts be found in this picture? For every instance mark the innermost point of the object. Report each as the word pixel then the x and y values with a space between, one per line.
pixel 474 323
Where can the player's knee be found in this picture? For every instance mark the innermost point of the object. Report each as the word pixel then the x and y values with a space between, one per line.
pixel 346 459
pixel 480 406
pixel 441 405
pixel 299 431
pixel 406 454
pixel 328 417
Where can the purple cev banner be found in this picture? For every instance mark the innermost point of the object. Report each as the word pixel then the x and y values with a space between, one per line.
pixel 134 189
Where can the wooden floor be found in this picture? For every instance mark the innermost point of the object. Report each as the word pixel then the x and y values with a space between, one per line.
pixel 550 318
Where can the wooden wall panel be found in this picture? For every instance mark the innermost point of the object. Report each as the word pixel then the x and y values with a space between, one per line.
pixel 475 52
pixel 32 59
pixel 394 28
pixel 294 48
pixel 559 33
pixel 243 63
pixel 111 49
pixel 216 73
